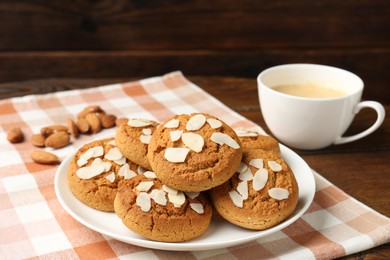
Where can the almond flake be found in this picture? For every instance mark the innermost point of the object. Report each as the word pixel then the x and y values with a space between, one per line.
pixel 129 174
pixel 276 167
pixel 173 123
pixel 144 186
pixel 175 135
pixel 112 143
pixel 97 151
pixel 145 139
pixel 197 207
pixel 88 172
pixel 221 139
pixel 159 197
pixel 107 166
pixel 278 193
pixel 113 154
pixel 260 179
pixel 242 167
pixel 176 155
pixel 138 122
pixel 192 195
pixel 143 201
pixel 147 131
pixel 214 123
pixel 178 199
pixel 150 175
pixel 242 188
pixel 196 122
pixel 193 141
pixel 169 190
pixel 257 163
pixel 121 161
pixel 111 177
pixel 86 156
pixel 242 132
pixel 236 198
pixel 126 172
pixel 246 175
pixel 141 170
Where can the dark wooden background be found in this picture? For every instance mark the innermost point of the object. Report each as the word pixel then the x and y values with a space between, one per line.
pixel 123 39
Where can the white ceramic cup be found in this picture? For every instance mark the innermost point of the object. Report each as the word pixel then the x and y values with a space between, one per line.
pixel 313 123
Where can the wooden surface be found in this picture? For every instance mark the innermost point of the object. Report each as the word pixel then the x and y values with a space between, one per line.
pixel 132 38
pixel 360 168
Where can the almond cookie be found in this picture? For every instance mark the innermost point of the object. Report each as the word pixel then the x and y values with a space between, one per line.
pixel 254 140
pixel 262 193
pixel 157 212
pixel 132 139
pixel 194 152
pixel 95 171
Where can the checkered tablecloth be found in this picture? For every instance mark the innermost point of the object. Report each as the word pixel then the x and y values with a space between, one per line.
pixel 33 223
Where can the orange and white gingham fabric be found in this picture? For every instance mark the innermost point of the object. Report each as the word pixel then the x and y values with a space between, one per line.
pixel 33 224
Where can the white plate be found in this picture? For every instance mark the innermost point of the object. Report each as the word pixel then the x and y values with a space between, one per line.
pixel 220 234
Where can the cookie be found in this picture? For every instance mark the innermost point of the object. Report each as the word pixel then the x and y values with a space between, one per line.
pixel 263 192
pixel 254 140
pixel 159 213
pixel 133 138
pixel 95 171
pixel 194 152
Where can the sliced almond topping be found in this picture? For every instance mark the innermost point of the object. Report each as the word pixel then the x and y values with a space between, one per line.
pixel 150 175
pixel 112 143
pixel 145 139
pixel 260 179
pixel 193 141
pixel 197 207
pixel 143 201
pixel 242 188
pixel 246 175
pixel 121 161
pixel 276 167
pixel 278 193
pixel 242 132
pixel 175 135
pixel 126 172
pixel 221 139
pixel 173 123
pixel 107 166
pixel 159 197
pixel 139 122
pixel 113 154
pixel 257 163
pixel 214 123
pixel 192 195
pixel 90 153
pixel 236 198
pixel 111 177
pixel 169 190
pixel 242 167
pixel 141 170
pixel 176 155
pixel 144 186
pixel 196 122
pixel 97 151
pixel 88 172
pixel 147 131
pixel 178 199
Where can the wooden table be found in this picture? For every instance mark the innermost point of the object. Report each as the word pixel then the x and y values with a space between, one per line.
pixel 361 168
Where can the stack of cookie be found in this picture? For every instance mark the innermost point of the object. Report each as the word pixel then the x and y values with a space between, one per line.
pixel 158 178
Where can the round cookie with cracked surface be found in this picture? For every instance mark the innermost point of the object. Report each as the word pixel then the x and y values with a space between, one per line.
pixel 262 193
pixel 254 140
pixel 154 211
pixel 132 139
pixel 95 171
pixel 194 152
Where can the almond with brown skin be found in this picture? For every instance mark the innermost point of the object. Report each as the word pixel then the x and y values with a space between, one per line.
pixel 73 128
pixel 89 109
pixel 48 130
pixel 15 135
pixel 107 120
pixel 58 140
pixel 120 121
pixel 94 122
pixel 82 125
pixel 38 140
pixel 40 156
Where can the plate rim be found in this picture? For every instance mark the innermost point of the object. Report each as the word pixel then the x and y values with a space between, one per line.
pixel 188 245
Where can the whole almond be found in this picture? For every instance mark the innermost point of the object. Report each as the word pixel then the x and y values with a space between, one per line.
pixel 15 135
pixel 40 156
pixel 107 120
pixel 82 125
pixel 89 109
pixel 73 128
pixel 120 121
pixel 46 131
pixel 38 140
pixel 94 122
pixel 51 129
pixel 58 140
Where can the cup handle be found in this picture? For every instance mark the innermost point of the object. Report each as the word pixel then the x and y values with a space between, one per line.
pixel 380 110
